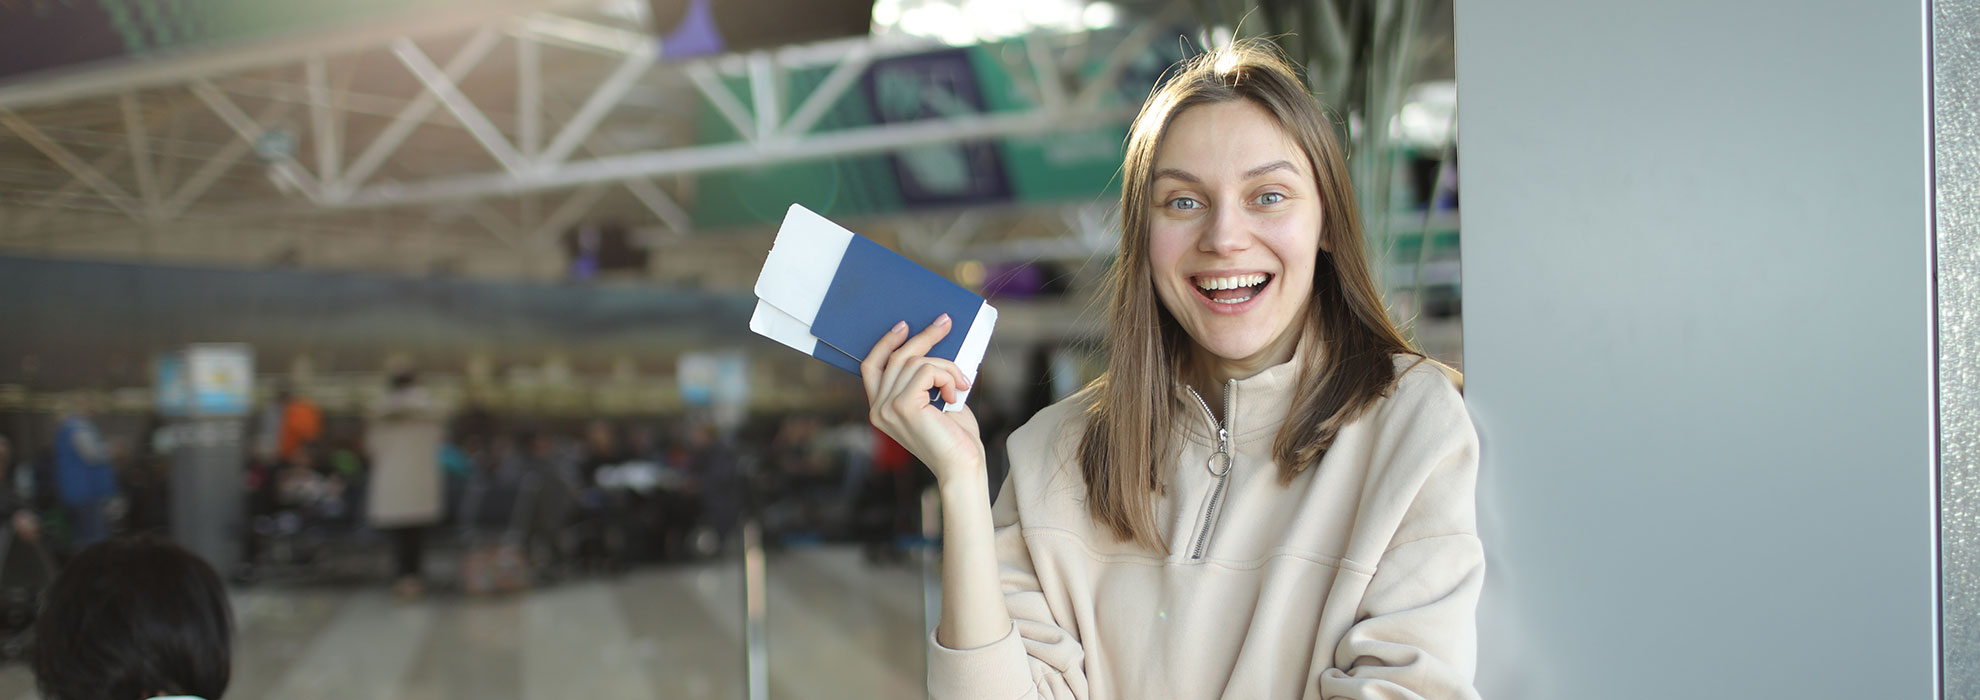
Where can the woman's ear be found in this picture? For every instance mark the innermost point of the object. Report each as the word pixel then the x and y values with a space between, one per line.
pixel 1326 232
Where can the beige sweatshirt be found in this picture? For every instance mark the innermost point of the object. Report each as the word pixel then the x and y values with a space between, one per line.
pixel 1359 580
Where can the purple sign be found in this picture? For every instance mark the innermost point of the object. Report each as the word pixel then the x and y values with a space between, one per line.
pixel 931 86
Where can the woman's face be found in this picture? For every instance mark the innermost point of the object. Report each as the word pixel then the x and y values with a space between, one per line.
pixel 1234 234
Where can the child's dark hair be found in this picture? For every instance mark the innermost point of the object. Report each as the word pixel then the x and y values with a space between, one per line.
pixel 132 618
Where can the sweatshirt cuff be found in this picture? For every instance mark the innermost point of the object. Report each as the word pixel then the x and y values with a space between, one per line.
pixel 995 670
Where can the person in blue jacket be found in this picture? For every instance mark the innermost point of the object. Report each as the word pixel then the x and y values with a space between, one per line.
pixel 84 478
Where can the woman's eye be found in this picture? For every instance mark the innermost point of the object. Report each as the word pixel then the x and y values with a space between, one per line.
pixel 1270 198
pixel 1185 204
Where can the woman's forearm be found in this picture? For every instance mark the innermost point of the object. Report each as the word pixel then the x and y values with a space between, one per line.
pixel 973 611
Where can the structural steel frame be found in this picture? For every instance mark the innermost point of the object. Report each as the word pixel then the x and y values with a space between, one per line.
pixel 574 157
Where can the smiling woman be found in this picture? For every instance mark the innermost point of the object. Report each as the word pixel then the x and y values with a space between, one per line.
pixel 1232 250
pixel 1244 176
pixel 1310 534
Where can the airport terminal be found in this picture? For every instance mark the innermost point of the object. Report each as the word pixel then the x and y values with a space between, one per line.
pixel 541 349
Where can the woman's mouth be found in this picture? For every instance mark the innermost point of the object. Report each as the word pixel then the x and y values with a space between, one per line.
pixel 1231 290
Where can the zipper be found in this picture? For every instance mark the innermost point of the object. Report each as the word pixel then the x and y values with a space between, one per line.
pixel 1223 454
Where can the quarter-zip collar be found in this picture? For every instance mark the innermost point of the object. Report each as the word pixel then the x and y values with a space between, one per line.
pixel 1262 401
pixel 1251 405
pixel 1220 465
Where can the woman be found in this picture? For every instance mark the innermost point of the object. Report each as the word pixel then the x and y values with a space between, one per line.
pixel 134 618
pixel 404 435
pixel 1268 494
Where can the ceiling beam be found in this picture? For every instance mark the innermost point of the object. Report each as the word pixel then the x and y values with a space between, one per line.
pixel 575 206
pixel 62 198
pixel 1124 54
pixel 656 200
pixel 602 100
pixel 764 92
pixel 323 121
pixel 663 207
pixel 529 97
pixel 826 96
pixel 1045 70
pixel 456 102
pixel 252 132
pixel 136 72
pixel 579 34
pixel 728 156
pixel 223 160
pixel 103 186
pixel 394 135
pixel 718 95
pixel 139 140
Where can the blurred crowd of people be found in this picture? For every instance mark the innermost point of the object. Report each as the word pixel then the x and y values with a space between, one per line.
pixel 522 500
pixel 513 500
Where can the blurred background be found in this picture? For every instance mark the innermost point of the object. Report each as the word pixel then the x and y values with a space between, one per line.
pixel 225 225
pixel 261 260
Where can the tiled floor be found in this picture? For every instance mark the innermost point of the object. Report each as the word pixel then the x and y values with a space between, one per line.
pixel 838 628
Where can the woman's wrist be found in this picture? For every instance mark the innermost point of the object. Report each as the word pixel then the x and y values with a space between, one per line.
pixel 964 481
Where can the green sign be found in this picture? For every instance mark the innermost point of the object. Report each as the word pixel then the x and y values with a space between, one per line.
pixel 1067 166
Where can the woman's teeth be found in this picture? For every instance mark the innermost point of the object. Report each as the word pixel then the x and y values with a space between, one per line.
pixel 1234 289
pixel 1232 282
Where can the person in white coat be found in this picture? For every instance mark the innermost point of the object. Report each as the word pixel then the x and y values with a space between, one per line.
pixel 403 436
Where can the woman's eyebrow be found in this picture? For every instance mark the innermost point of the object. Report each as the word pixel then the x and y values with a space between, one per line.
pixel 1185 176
pixel 1269 167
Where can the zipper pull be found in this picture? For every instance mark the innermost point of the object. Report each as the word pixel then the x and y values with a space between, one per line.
pixel 1224 451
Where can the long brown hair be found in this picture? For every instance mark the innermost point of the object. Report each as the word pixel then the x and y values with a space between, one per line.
pixel 1347 334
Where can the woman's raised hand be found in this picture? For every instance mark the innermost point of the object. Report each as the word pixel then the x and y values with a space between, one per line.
pixel 898 375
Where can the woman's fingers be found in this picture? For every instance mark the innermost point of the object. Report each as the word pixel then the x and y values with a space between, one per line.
pixel 908 394
pixel 899 376
pixel 924 341
pixel 945 374
pixel 913 394
pixel 896 362
pixel 874 366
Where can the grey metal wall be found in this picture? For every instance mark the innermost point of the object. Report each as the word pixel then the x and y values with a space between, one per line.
pixel 1956 166
pixel 1698 343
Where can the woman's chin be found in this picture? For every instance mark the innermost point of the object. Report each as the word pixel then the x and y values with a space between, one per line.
pixel 1233 353
pixel 1242 351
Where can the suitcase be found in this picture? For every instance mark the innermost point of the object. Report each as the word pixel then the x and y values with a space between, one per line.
pixel 494 568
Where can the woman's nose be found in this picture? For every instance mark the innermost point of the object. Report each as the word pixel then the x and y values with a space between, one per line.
pixel 1229 232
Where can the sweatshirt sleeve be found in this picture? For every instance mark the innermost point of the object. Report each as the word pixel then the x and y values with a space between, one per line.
pixel 1417 635
pixel 1037 659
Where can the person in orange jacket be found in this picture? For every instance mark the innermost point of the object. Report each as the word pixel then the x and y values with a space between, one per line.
pixel 302 423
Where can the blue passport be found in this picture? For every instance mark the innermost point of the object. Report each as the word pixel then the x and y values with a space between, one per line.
pixel 831 293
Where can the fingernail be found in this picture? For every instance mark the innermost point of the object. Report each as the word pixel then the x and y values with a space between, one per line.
pixel 898 327
pixel 942 319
